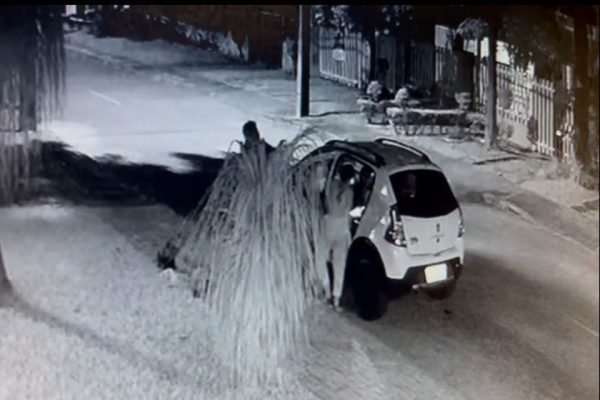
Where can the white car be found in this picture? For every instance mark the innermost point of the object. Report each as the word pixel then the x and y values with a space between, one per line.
pixel 407 224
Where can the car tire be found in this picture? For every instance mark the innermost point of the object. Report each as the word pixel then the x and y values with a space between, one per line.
pixel 369 290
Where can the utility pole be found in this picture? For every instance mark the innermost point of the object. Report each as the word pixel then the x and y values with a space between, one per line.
pixel 491 130
pixel 303 74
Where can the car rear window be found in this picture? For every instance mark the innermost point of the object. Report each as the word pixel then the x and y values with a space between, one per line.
pixel 423 193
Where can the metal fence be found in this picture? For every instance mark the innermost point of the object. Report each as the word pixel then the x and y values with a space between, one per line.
pixel 345 59
pixel 445 70
pixel 422 64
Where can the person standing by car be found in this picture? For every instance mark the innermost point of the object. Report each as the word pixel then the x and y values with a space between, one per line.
pixel 337 228
pixel 166 256
pixel 252 138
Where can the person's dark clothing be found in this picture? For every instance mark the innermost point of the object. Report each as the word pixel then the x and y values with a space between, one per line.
pixel 385 94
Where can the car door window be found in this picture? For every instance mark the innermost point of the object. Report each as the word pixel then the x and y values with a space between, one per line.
pixel 322 170
pixel 316 170
pixel 423 193
pixel 335 174
pixel 363 181
pixel 362 184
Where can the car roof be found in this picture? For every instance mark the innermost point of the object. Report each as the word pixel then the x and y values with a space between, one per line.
pixel 381 153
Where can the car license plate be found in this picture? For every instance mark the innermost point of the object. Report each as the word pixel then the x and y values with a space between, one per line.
pixel 436 273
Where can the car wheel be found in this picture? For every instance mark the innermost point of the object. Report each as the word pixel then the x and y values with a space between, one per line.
pixel 368 289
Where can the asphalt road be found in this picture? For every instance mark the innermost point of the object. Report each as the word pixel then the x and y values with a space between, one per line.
pixel 522 323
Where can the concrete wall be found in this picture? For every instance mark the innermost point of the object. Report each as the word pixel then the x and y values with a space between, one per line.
pixel 262 28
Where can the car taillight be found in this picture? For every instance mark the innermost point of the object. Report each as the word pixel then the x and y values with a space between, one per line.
pixel 395 232
pixel 461 225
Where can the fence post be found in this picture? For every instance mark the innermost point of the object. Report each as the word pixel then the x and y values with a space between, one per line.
pixel 552 90
pixel 535 113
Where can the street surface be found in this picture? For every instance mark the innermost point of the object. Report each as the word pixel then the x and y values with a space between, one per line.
pixel 93 318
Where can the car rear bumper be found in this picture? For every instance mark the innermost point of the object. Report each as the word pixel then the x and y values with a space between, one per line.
pixel 398 262
pixel 415 278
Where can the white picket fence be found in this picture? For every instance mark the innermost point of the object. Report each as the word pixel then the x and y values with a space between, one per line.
pixel 530 102
pixel 345 59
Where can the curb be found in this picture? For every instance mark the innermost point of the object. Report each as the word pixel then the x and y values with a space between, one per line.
pixel 103 57
pixel 506 205
pixel 509 206
pixel 554 217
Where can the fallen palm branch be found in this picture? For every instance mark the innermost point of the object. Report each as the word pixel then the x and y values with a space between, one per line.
pixel 253 252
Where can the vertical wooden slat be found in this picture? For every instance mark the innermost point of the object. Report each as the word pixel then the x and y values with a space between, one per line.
pixel 551 117
pixel 355 74
pixel 342 64
pixel 350 60
pixel 358 61
pixel 337 68
pixel 545 120
pixel 359 64
pixel 347 59
pixel 353 61
pixel 541 121
pixel 535 112
pixel 321 52
pixel 549 107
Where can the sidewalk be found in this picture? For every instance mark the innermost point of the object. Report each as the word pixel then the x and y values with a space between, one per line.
pixel 90 317
pixel 519 184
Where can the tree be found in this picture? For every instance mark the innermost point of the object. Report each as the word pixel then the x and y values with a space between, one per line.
pixel 479 23
pixel 31 82
pixel 533 34
pixel 369 20
pixel 538 34
pixel 582 17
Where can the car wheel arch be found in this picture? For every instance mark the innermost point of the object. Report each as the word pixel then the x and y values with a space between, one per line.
pixel 369 290
pixel 363 247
